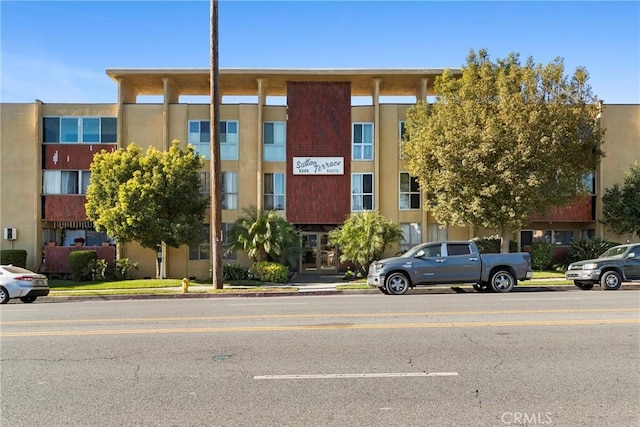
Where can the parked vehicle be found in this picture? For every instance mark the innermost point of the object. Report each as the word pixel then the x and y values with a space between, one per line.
pixel 449 263
pixel 17 282
pixel 618 264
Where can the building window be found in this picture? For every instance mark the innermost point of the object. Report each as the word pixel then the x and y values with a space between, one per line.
pixel 227 256
pixel 409 192
pixel 590 183
pixel 205 183
pixel 437 233
pixel 274 136
pixel 274 191
pixel 362 146
pixel 200 137
pixel 76 130
pixel 202 251
pixel 557 237
pixel 228 140
pixel 229 190
pixel 361 192
pixel 412 235
pixel 401 137
pixel 65 182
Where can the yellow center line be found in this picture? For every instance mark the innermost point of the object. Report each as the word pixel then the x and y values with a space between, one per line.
pixel 320 316
pixel 324 327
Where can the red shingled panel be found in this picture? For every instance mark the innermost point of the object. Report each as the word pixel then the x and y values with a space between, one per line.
pixel 65 208
pixel 71 156
pixel 318 125
pixel 581 210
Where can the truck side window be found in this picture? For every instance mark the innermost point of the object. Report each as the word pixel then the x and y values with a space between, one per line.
pixel 458 249
pixel 432 251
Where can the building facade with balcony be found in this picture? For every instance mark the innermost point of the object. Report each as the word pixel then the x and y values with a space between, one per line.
pixel 314 145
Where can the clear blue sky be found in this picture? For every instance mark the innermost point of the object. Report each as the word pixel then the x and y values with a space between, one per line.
pixel 58 51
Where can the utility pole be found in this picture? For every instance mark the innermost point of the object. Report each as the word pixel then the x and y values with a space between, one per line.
pixel 214 163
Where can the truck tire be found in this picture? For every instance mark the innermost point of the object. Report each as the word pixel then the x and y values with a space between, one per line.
pixel 585 286
pixel 396 284
pixel 502 281
pixel 610 281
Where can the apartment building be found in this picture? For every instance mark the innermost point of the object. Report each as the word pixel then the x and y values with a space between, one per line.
pixel 313 144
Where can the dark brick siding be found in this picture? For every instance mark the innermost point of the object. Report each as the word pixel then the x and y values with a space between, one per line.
pixel 71 156
pixel 65 208
pixel 318 125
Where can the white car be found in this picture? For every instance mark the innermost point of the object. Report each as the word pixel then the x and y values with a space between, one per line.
pixel 17 282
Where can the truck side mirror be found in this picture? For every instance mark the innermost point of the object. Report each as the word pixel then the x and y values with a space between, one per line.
pixel 419 254
pixel 631 255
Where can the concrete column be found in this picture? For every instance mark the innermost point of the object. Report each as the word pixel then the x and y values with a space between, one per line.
pixel 376 143
pixel 262 97
pixel 422 91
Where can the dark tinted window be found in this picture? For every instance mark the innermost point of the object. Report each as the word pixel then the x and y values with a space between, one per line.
pixel 458 249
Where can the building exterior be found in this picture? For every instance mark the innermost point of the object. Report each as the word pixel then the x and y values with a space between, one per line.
pixel 314 145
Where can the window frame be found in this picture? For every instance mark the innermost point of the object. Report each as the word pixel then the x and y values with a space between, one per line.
pixel 275 195
pixel 80 182
pixel 203 148
pixel 409 193
pixel 228 196
pixel 229 149
pixel 202 252
pixel 363 144
pixel 274 151
pixel 106 132
pixel 363 194
pixel 415 235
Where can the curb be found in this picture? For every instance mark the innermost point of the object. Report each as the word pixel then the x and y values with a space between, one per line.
pixel 416 291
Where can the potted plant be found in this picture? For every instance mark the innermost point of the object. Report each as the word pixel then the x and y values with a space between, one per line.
pixel 79 241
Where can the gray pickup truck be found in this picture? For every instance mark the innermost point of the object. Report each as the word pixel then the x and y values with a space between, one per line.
pixel 449 263
pixel 618 264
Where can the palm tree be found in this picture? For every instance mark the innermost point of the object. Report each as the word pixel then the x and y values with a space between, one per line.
pixel 265 236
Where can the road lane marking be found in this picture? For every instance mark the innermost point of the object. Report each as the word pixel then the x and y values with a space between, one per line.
pixel 320 316
pixel 577 322
pixel 372 375
pixel 538 299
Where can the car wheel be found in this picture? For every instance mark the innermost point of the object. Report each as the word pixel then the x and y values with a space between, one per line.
pixel 28 300
pixel 585 286
pixel 610 281
pixel 502 281
pixel 4 295
pixel 482 287
pixel 397 284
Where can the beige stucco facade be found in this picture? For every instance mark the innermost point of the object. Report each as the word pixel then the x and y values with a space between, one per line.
pixel 157 124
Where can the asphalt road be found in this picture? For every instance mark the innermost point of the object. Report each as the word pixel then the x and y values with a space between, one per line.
pixel 543 358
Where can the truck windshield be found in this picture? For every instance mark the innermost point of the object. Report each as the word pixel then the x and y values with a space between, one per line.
pixel 615 252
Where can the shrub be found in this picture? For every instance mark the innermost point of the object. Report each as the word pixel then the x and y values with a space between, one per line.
pixel 588 248
pixel 122 268
pixel 234 272
pixel 491 244
pixel 17 257
pixel 98 269
pixel 541 254
pixel 81 263
pixel 269 272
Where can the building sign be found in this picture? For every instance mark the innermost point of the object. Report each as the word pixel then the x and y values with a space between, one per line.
pixel 318 165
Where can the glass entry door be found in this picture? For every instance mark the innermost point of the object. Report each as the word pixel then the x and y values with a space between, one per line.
pixel 317 256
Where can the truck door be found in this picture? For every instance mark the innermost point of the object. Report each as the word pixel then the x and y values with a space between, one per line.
pixel 430 267
pixel 632 264
pixel 463 266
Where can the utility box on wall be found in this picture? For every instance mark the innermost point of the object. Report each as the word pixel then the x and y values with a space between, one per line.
pixel 10 233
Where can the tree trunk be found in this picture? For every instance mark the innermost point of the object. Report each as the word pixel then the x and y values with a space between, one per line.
pixel 505 235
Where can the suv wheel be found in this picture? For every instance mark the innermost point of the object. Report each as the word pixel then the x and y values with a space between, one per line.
pixel 610 281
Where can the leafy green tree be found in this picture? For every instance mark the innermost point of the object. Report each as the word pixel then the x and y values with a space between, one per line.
pixel 503 141
pixel 265 236
pixel 363 237
pixel 151 197
pixel 621 204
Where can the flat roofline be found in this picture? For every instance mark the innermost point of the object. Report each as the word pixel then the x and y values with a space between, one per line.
pixel 273 81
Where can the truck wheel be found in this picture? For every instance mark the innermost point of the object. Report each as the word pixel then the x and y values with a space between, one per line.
pixel 482 287
pixel 585 286
pixel 397 284
pixel 502 281
pixel 610 281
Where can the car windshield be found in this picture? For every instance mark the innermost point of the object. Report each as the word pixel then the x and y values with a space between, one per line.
pixel 615 252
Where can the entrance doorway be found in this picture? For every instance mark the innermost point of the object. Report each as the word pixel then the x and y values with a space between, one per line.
pixel 317 256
